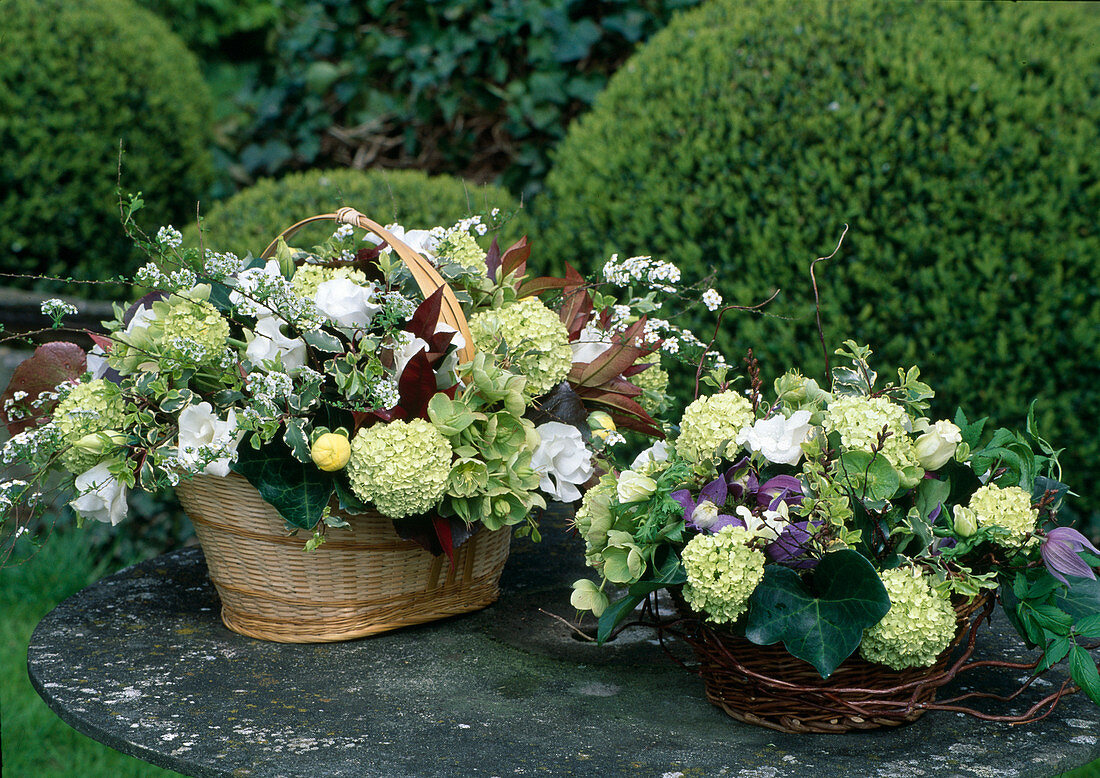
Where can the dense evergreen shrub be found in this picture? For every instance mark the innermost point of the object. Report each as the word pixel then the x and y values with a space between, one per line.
pixel 77 77
pixel 234 29
pixel 473 87
pixel 249 220
pixel 959 141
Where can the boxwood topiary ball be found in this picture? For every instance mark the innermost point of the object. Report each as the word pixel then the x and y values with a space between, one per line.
pixel 958 140
pixel 249 220
pixel 77 78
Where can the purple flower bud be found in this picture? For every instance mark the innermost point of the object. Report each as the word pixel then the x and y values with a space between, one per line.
pixel 1059 551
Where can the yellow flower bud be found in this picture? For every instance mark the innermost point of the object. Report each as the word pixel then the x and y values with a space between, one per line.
pixel 601 424
pixel 331 452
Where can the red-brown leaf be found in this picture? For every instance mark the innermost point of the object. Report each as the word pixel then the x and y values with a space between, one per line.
pixel 50 364
pixel 515 258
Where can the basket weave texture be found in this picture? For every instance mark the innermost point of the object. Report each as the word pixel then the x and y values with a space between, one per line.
pixel 766 686
pixel 359 582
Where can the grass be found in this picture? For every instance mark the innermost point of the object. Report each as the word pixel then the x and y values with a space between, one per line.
pixel 35 741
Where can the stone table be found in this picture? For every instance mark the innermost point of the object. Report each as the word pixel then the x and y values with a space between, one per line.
pixel 141 662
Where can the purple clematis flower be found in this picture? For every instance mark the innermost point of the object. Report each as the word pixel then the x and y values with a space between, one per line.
pixel 742 479
pixel 1059 551
pixel 705 513
pixel 781 488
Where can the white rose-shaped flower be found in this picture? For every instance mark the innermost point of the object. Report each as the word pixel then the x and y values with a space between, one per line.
pixel 101 496
pixel 655 454
pixel 936 446
pixel 347 303
pixel 634 487
pixel 269 343
pixel 562 460
pixel 778 439
pixel 202 434
pixel 591 344
pixel 96 361
pixel 420 241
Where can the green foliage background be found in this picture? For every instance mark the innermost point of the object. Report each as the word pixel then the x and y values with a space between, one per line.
pixel 251 219
pixel 957 139
pixel 76 78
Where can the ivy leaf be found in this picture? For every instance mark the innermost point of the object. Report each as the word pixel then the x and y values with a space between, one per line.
pixel 48 366
pixel 821 621
pixel 299 492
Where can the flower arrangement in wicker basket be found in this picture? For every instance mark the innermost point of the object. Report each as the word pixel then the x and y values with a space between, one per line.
pixel 354 428
pixel 832 553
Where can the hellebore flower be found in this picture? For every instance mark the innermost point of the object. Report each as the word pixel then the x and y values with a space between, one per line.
pixel 1059 551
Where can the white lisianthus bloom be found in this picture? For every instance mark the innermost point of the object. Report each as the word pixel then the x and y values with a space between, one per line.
pixel 269 343
pixel 936 446
pixel 562 460
pixel 96 361
pixel 634 487
pixel 347 303
pixel 592 343
pixel 654 455
pixel 420 241
pixel 101 496
pixel 203 434
pixel 778 439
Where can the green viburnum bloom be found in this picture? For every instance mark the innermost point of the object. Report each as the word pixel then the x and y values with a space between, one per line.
pixel 401 467
pixel 711 421
pixel 653 381
pixel 1008 508
pixel 462 249
pixel 308 277
pixel 860 421
pixel 537 341
pixel 918 627
pixel 722 573
pixel 195 332
pixel 97 406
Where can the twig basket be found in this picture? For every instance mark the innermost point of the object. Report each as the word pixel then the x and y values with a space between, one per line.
pixel 766 686
pixel 359 582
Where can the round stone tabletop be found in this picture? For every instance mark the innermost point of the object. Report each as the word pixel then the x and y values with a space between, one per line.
pixel 141 662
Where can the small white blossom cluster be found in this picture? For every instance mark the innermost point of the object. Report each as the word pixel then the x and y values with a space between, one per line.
pixel 384 393
pixel 57 309
pixel 37 444
pixel 264 291
pixel 400 306
pixel 613 438
pixel 343 231
pixel 178 280
pixel 472 224
pixel 712 300
pixel 11 494
pixel 655 273
pixel 271 388
pixel 169 237
pixel 220 266
pixel 13 411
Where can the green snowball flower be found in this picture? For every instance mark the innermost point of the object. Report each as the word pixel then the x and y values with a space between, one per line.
pixel 463 250
pixel 537 341
pixel 96 406
pixel 653 381
pixel 860 420
pixel 709 422
pixel 722 573
pixel 195 332
pixel 1009 508
pixel 401 467
pixel 308 277
pixel 918 627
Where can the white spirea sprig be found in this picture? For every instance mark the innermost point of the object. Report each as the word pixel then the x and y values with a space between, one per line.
pixel 220 266
pixel 712 300
pixel 655 273
pixel 261 292
pixel 169 237
pixel 179 280
pixel 57 310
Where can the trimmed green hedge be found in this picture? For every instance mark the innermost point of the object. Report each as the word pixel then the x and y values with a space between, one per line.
pixel 76 78
pixel 249 220
pixel 959 141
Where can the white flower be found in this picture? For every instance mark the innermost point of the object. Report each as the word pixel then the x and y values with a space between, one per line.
pixel 937 445
pixel 169 236
pixel 96 361
pixel 705 514
pixel 653 455
pixel 712 299
pixel 562 460
pixel 591 343
pixel 101 496
pixel 445 370
pixel 269 343
pixel 347 303
pixel 250 283
pixel 203 436
pixel 779 439
pixel 634 487
pixel 769 526
pixel 423 242
pixel 141 320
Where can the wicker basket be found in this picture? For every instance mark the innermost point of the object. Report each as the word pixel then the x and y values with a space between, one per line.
pixel 361 581
pixel 766 686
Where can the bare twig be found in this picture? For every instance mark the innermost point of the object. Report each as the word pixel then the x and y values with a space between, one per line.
pixel 817 300
pixel 717 326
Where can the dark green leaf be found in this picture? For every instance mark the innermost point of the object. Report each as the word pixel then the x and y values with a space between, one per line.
pixel 867 476
pixel 1083 671
pixel 299 492
pixel 821 622
pixel 1088 627
pixel 1056 651
pixel 1081 599
pixel 614 614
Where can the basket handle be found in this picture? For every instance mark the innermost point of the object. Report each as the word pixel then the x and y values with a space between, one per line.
pixel 426 276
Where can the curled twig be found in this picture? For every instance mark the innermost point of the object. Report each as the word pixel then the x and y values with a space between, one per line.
pixel 817 299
